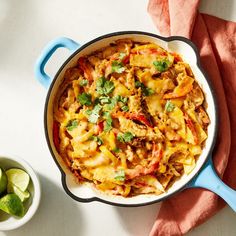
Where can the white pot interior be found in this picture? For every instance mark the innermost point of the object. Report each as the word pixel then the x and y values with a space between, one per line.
pixel 188 55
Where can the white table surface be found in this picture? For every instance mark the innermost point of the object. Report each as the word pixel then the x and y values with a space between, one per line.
pixel 25 28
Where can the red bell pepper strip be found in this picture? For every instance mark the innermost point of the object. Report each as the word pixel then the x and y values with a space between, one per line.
pixel 139 117
pixel 133 116
pixel 100 126
pixel 191 126
pixel 177 57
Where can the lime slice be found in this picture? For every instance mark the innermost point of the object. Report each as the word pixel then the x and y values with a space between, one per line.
pixel 11 188
pixel 3 181
pixel 12 205
pixel 19 178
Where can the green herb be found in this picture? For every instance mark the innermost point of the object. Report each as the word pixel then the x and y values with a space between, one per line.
pixel 111 105
pixel 88 112
pixel 94 114
pixel 125 108
pixel 148 91
pixel 96 101
pixel 138 84
pixel 104 100
pixel 85 99
pixel 120 175
pixel 108 123
pixel 83 82
pixel 169 106
pixel 71 125
pixel 104 87
pixel 122 55
pixel 116 149
pixel 161 65
pixel 119 98
pixel 145 90
pixel 97 139
pixel 117 67
pixel 126 137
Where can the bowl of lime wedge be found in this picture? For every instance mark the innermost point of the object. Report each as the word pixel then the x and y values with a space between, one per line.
pixel 20 192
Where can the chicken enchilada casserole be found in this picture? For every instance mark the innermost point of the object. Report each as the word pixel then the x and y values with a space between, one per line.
pixel 130 119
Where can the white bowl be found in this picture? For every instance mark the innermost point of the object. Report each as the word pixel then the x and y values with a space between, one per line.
pixel 8 222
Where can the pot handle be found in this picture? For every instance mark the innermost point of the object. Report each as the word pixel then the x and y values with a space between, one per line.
pixel 207 178
pixel 47 52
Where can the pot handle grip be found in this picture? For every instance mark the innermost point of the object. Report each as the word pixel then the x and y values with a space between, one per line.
pixel 45 55
pixel 207 178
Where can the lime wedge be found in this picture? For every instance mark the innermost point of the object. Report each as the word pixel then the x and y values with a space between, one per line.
pixel 3 181
pixel 12 205
pixel 11 188
pixel 19 178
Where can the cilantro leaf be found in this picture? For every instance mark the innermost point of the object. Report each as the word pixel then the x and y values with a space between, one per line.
pixel 110 105
pixel 145 90
pixel 104 100
pixel 120 175
pixel 85 99
pixel 97 139
pixel 108 123
pixel 83 82
pixel 117 67
pixel 122 55
pixel 116 149
pixel 72 124
pixel 108 87
pixel 161 65
pixel 148 91
pixel 126 137
pixel 169 106
pixel 138 84
pixel 119 98
pixel 104 87
pixel 94 114
pixel 125 108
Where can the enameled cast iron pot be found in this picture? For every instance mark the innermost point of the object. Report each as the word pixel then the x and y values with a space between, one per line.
pixel 203 174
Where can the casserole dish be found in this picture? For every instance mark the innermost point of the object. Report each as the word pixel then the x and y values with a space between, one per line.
pixel 203 175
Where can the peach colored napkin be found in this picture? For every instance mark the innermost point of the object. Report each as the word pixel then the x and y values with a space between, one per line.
pixel 216 41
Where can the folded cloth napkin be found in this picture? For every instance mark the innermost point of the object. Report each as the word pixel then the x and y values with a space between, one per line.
pixel 216 41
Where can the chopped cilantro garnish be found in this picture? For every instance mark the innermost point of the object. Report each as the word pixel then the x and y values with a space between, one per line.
pixel 88 112
pixel 85 99
pixel 97 139
pixel 122 55
pixel 104 100
pixel 116 149
pixel 138 84
pixel 169 106
pixel 148 91
pixel 71 125
pixel 94 114
pixel 83 82
pixel 111 105
pixel 161 65
pixel 108 123
pixel 117 67
pixel 126 137
pixel 120 175
pixel 104 87
pixel 145 90
pixel 119 98
pixel 125 108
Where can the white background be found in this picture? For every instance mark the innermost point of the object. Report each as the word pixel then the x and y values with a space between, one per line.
pixel 26 26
